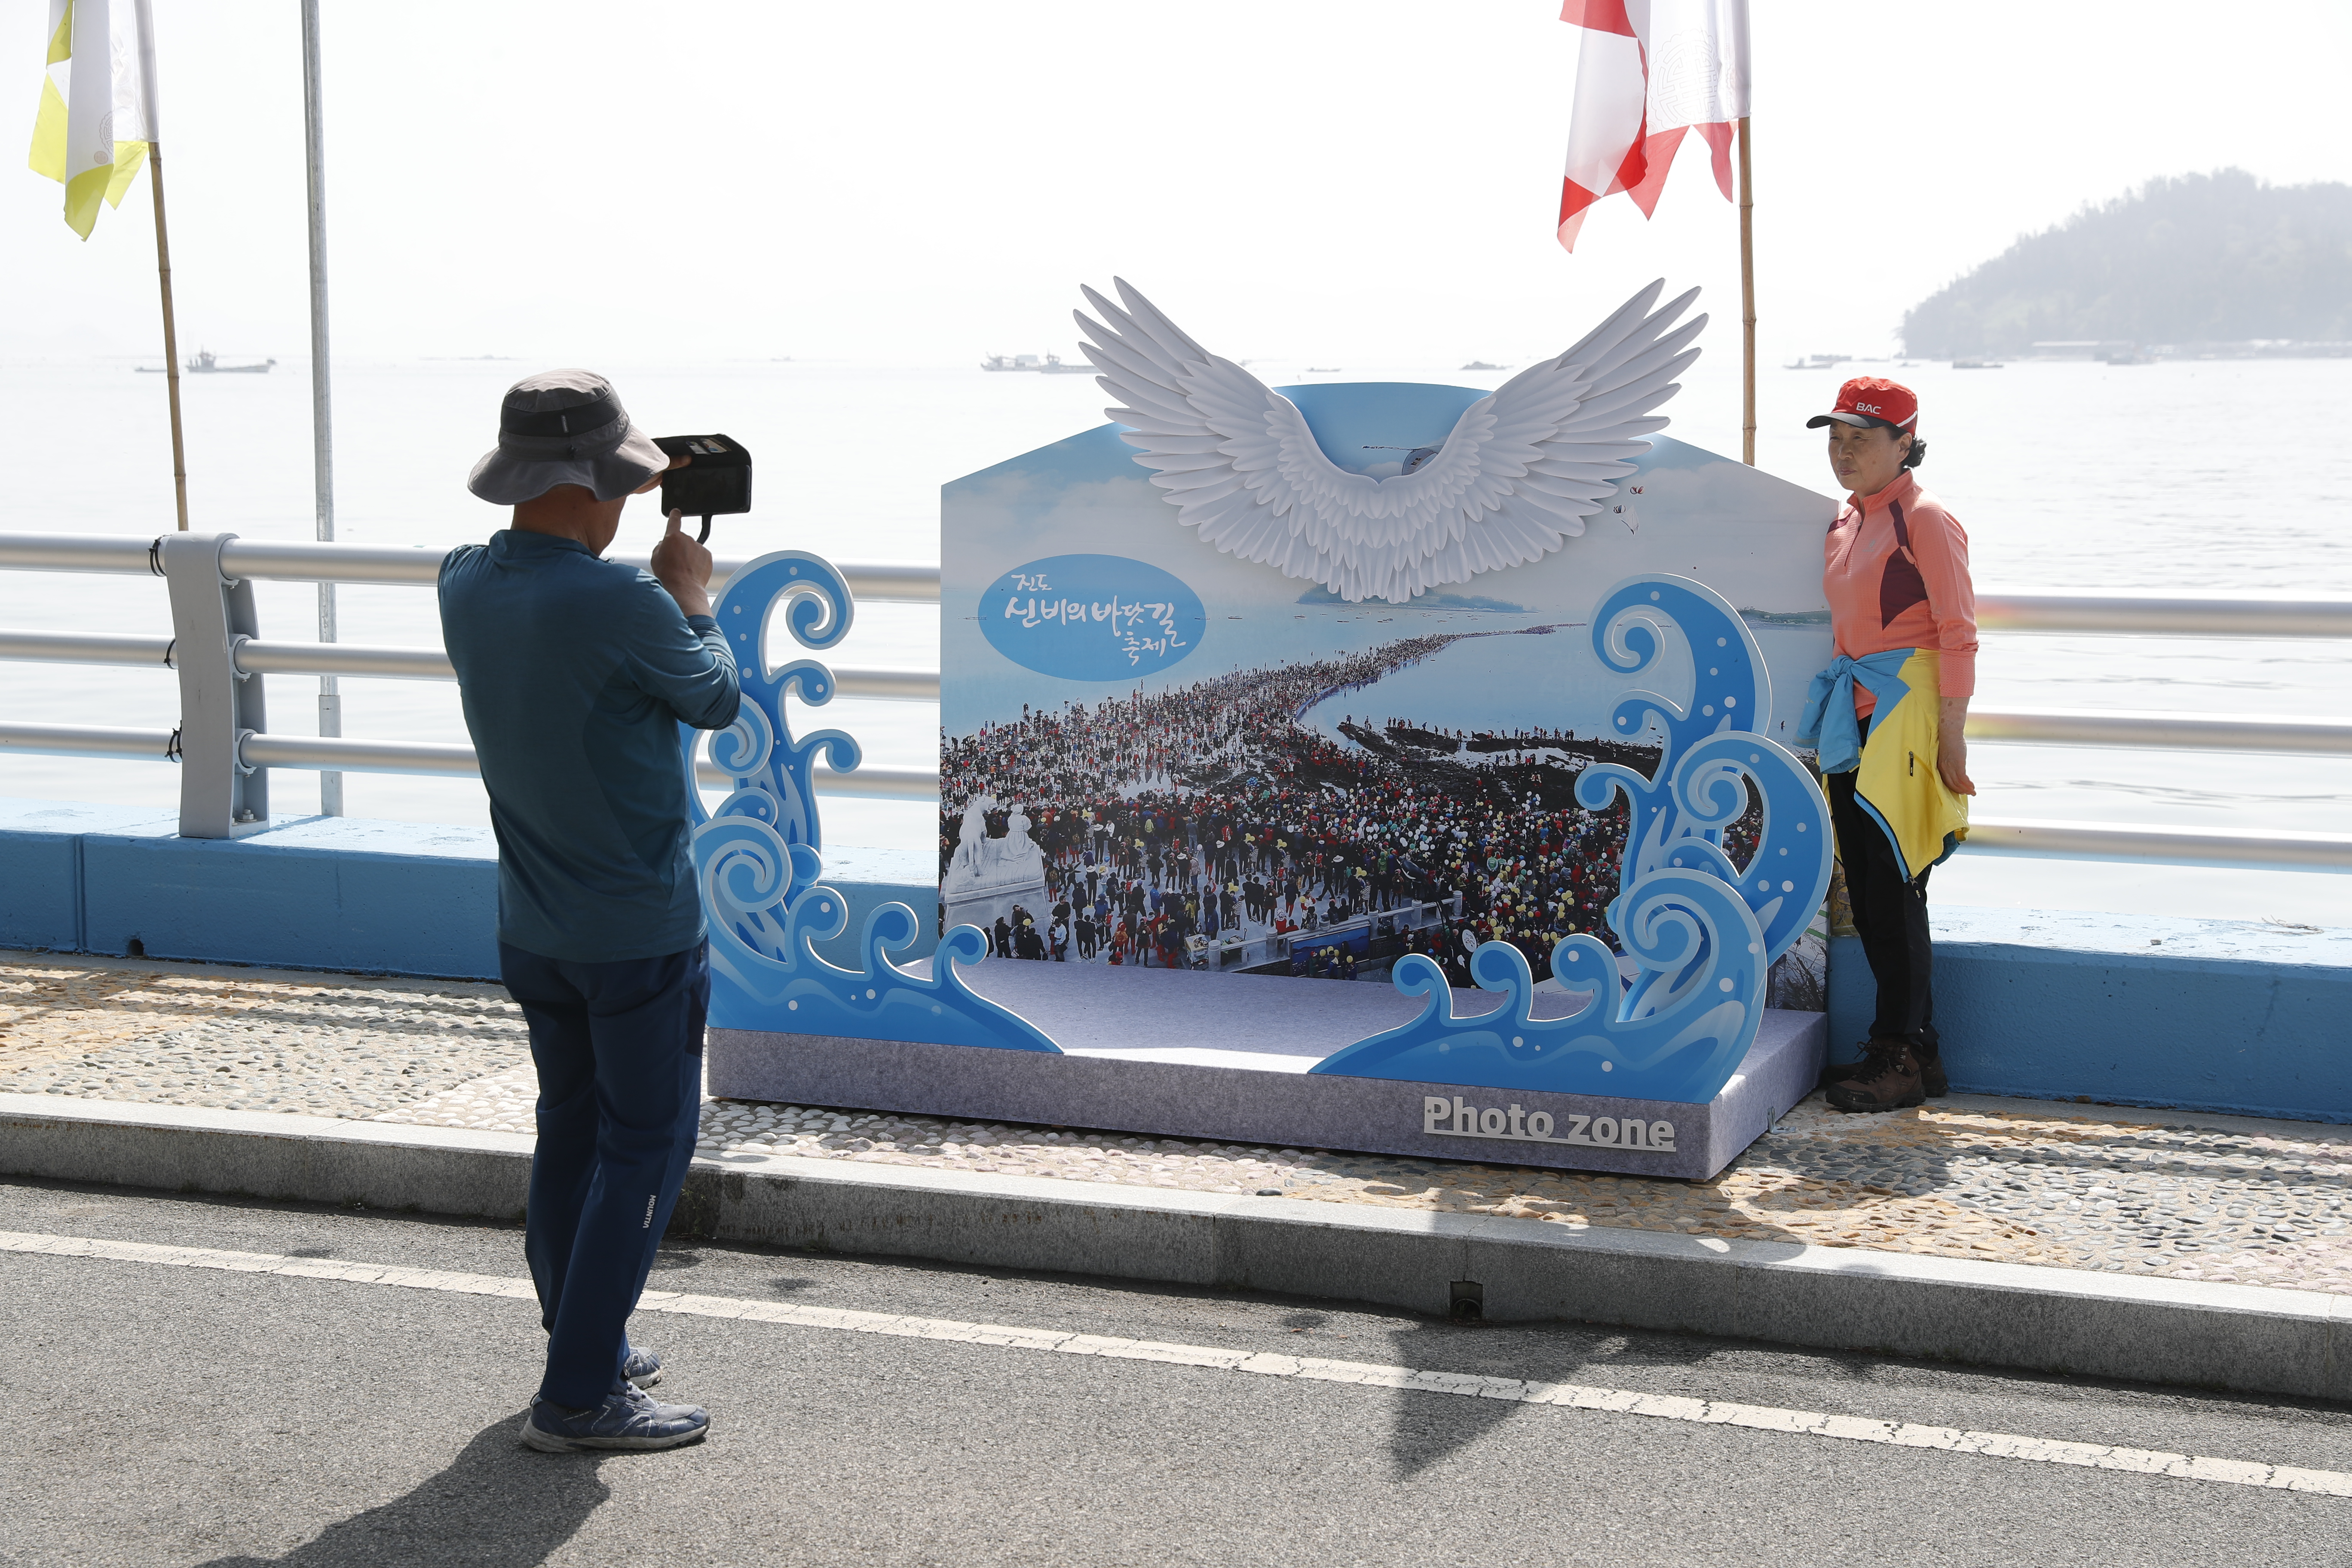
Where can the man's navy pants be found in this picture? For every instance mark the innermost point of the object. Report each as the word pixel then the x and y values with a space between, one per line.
pixel 619 1051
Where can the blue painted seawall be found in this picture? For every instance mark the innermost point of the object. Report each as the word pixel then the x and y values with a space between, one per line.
pixel 2199 1014
pixel 318 892
pixel 2231 1015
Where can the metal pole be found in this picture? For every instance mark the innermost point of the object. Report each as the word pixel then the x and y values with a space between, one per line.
pixel 1747 305
pixel 322 421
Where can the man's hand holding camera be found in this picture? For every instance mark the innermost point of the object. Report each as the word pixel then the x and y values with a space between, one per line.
pixel 680 564
pixel 683 566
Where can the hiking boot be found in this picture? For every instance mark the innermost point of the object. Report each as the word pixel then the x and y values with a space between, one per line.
pixel 1891 1077
pixel 627 1418
pixel 1838 1072
pixel 1932 1074
pixel 641 1367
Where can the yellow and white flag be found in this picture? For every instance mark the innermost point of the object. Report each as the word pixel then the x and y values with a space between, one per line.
pixel 98 103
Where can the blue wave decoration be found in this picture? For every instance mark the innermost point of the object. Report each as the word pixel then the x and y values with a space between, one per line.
pixel 1731 689
pixel 1679 814
pixel 1702 930
pixel 1676 922
pixel 758 853
pixel 770 770
pixel 768 911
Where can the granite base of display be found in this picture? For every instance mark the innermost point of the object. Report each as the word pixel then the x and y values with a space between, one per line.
pixel 1245 1076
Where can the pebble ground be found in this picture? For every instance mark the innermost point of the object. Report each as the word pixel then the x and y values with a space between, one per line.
pixel 2226 1199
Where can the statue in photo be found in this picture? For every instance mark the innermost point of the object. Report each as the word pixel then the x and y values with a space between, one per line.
pixel 987 876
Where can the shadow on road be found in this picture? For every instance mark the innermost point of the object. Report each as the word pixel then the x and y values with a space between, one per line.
pixel 1424 1432
pixel 497 1502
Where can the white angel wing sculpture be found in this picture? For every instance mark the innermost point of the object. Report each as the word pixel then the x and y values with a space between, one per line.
pixel 1522 469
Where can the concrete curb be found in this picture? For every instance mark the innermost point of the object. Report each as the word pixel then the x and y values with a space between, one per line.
pixel 2251 1339
pixel 264 1155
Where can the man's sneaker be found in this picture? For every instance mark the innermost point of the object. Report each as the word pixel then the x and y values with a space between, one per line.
pixel 641 1367
pixel 628 1418
pixel 1891 1077
pixel 1931 1074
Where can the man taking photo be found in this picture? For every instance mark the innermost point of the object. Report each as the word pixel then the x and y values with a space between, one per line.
pixel 575 673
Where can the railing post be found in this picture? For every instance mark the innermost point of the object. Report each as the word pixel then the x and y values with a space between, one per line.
pixel 220 797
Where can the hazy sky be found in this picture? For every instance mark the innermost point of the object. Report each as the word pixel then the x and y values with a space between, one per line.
pixel 925 183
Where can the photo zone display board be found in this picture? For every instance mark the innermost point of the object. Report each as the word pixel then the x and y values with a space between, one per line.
pixel 1576 772
pixel 1369 765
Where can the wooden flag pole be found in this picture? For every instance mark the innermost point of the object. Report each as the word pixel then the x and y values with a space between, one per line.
pixel 1747 306
pixel 171 332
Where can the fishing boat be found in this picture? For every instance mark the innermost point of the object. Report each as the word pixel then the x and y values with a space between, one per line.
pixel 1817 362
pixel 207 363
pixel 1051 364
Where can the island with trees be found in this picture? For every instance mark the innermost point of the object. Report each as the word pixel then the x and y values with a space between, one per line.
pixel 2219 264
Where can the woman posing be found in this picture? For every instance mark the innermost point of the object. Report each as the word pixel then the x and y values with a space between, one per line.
pixel 1889 717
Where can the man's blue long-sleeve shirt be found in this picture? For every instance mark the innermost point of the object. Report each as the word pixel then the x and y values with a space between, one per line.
pixel 575 673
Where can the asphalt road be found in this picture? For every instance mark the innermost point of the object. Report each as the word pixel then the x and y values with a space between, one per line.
pixel 167 1416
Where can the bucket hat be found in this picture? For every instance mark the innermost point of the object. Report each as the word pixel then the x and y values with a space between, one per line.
pixel 565 427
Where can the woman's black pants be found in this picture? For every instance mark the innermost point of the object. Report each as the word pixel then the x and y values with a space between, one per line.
pixel 1891 914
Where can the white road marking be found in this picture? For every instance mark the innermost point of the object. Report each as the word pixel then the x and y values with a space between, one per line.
pixel 1315 1369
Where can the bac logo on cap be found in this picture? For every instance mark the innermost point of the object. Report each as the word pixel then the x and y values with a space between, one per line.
pixel 1865 408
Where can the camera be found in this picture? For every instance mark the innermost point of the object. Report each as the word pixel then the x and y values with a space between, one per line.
pixel 715 482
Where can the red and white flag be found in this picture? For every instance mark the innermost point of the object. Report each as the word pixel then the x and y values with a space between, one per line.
pixel 1649 70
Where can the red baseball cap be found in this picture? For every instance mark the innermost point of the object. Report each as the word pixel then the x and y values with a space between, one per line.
pixel 1872 400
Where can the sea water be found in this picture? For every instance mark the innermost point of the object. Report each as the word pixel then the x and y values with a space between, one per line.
pixel 1480 682
pixel 2174 478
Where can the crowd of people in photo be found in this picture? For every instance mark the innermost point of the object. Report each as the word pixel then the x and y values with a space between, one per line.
pixel 1175 824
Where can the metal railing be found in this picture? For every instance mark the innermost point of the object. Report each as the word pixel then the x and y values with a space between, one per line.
pixel 2125 613
pixel 223 743
pixel 310 560
pixel 2173 732
pixel 214 566
pixel 2024 836
pixel 254 656
pixel 2240 614
pixel 443 758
